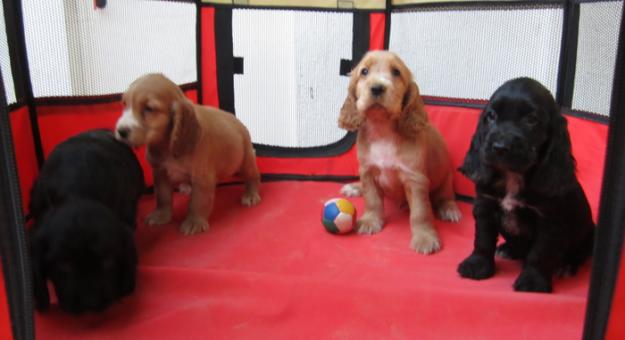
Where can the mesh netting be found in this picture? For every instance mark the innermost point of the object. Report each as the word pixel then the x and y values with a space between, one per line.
pixel 599 24
pixel 291 91
pixel 468 53
pixel 5 60
pixel 93 52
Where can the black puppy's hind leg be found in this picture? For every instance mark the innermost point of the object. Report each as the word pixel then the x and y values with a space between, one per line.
pixel 575 257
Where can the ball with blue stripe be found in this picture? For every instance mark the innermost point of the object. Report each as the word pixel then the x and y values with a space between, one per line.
pixel 339 216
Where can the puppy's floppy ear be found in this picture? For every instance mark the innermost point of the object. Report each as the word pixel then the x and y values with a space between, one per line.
pixel 186 128
pixel 472 166
pixel 413 116
pixel 38 250
pixel 349 118
pixel 555 172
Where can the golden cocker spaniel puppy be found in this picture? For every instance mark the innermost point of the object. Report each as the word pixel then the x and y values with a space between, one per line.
pixel 187 144
pixel 401 155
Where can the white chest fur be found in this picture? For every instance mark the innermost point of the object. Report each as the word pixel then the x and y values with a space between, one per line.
pixel 514 183
pixel 383 154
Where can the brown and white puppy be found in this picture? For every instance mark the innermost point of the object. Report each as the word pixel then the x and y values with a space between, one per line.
pixel 401 155
pixel 187 144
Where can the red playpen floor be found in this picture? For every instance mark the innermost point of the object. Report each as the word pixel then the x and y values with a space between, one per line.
pixel 273 272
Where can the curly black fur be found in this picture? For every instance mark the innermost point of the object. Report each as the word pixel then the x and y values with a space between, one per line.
pixel 520 160
pixel 84 206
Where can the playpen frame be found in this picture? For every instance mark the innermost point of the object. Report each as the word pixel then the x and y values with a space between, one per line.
pixel 607 256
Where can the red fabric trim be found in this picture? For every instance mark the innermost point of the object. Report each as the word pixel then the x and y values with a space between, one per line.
pixel 456 100
pixel 589 143
pixel 588 138
pixel 24 148
pixel 59 122
pixel 208 58
pixel 376 33
pixel 457 126
pixel 5 318
pixel 616 326
pixel 341 165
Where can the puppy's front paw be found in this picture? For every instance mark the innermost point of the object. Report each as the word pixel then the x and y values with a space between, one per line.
pixel 250 198
pixel 531 280
pixel 506 251
pixel 352 190
pixel 158 217
pixel 448 211
pixel 369 225
pixel 425 241
pixel 477 267
pixel 193 225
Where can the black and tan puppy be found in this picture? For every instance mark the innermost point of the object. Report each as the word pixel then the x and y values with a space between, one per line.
pixel 84 205
pixel 520 160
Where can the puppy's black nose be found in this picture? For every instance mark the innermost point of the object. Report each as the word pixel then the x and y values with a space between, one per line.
pixel 377 90
pixel 500 148
pixel 123 132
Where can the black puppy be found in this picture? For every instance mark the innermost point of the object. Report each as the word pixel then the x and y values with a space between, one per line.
pixel 520 160
pixel 84 205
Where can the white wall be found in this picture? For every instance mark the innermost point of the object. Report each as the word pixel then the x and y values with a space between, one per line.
pixel 74 49
pixel 291 92
pixel 45 30
pixel 596 55
pixel 5 60
pixel 468 54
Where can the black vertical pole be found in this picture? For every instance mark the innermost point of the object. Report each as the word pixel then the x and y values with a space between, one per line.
pixel 13 246
pixel 568 54
pixel 387 23
pixel 198 50
pixel 225 58
pixel 611 228
pixel 19 65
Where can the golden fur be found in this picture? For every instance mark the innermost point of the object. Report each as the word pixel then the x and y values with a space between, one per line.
pixel 187 144
pixel 401 155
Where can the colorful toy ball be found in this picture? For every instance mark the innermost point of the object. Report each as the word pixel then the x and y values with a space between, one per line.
pixel 339 216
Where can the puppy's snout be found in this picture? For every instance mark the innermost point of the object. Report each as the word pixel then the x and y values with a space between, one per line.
pixel 377 90
pixel 123 132
pixel 500 147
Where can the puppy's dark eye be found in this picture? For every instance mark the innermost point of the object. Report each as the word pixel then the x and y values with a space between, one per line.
pixel 364 71
pixel 490 116
pixel 148 109
pixel 395 72
pixel 531 120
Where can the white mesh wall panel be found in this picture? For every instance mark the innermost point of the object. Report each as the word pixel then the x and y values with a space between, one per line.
pixel 74 49
pixel 462 53
pixel 45 31
pixel 597 42
pixel 291 92
pixel 5 61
